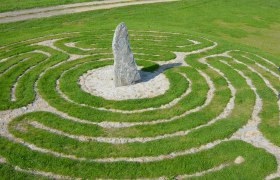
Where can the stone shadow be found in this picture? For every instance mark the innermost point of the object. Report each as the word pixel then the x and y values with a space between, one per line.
pixel 149 75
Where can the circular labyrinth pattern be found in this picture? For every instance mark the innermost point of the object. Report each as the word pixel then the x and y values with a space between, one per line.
pixel 218 118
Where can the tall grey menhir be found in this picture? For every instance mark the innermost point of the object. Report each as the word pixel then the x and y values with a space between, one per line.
pixel 125 68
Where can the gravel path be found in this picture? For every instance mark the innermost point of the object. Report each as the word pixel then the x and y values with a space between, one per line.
pixel 21 15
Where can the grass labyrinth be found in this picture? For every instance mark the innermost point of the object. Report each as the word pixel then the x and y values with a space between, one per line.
pixel 52 128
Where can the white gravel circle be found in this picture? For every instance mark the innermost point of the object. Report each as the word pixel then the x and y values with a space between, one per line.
pixel 99 82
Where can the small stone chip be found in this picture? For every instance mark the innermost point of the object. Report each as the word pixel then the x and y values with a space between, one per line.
pixel 239 160
pixel 2 160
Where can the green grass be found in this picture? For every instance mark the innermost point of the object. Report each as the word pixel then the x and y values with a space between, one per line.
pixel 256 161
pixel 234 25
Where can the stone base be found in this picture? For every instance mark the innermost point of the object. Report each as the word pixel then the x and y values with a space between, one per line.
pixel 99 82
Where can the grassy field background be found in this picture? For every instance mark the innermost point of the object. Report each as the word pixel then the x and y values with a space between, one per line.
pixel 249 25
pixel 252 22
pixel 11 5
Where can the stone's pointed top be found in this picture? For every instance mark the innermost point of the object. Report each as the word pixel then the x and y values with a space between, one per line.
pixel 125 68
pixel 121 26
pixel 120 32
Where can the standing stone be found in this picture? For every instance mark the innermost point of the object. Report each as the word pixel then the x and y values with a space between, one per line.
pixel 125 68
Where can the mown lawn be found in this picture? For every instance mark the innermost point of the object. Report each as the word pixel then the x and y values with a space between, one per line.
pixel 246 25
pixel 11 5
pixel 252 22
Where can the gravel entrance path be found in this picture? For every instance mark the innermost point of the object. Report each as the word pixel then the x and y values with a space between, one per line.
pixel 20 15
